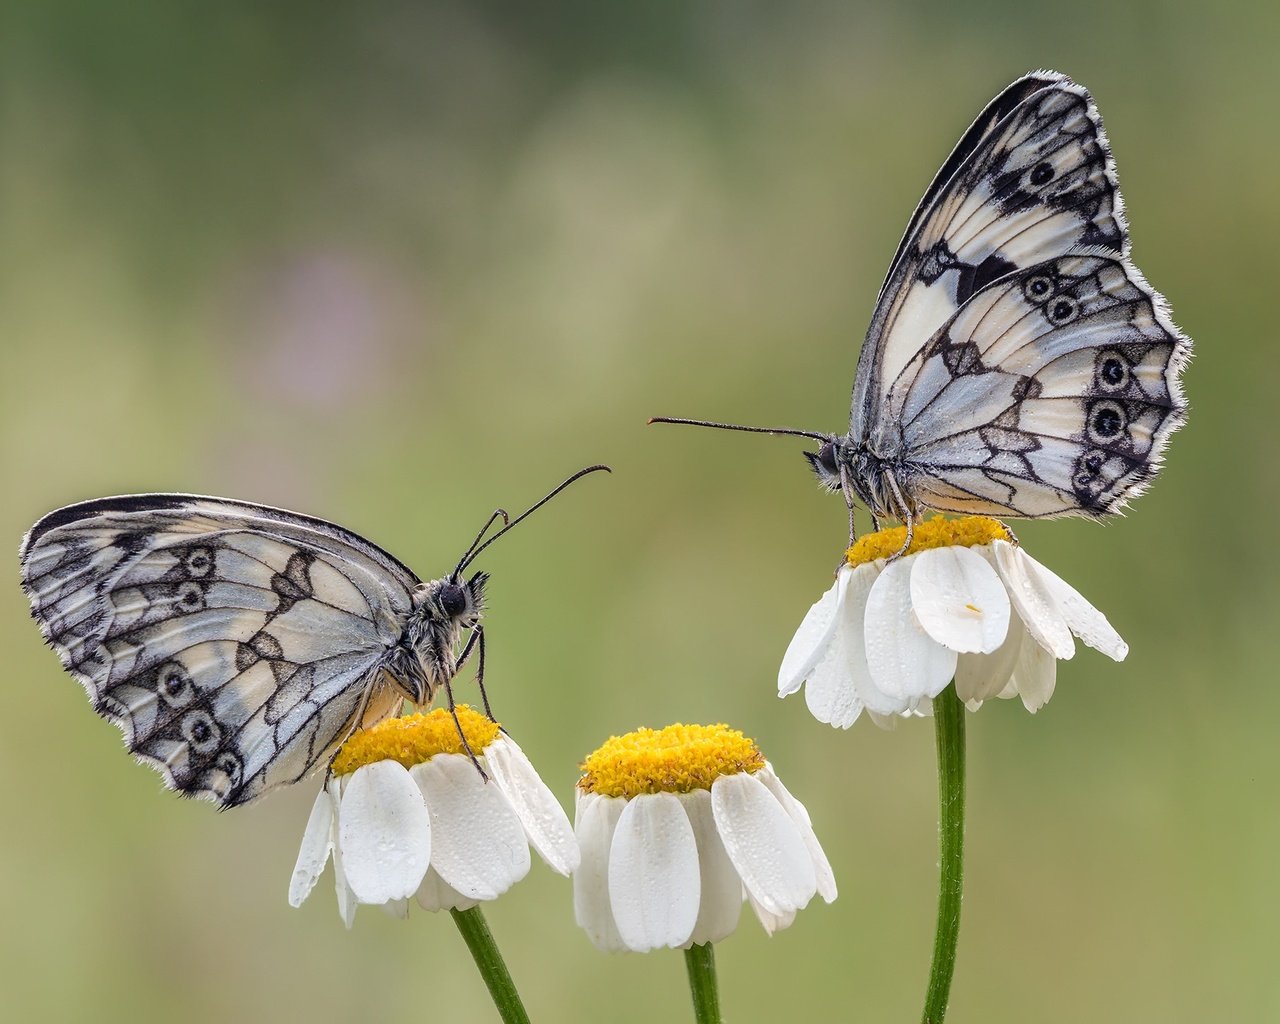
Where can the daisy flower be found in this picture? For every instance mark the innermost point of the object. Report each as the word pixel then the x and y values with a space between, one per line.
pixel 405 814
pixel 966 603
pixel 677 827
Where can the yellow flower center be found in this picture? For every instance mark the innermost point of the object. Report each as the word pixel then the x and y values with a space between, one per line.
pixel 968 532
pixel 414 739
pixel 677 759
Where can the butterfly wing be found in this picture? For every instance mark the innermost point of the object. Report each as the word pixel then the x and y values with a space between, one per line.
pixel 1032 178
pixel 235 645
pixel 1052 391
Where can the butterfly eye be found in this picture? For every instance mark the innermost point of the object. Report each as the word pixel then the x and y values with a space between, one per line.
pixel 827 458
pixel 1042 173
pixel 453 600
pixel 1037 287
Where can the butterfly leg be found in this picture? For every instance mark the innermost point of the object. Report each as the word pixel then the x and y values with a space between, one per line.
pixel 453 710
pixel 476 640
pixel 906 513
pixel 846 487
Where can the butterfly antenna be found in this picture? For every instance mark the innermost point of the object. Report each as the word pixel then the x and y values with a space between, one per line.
pixel 498 513
pixel 474 553
pixel 750 430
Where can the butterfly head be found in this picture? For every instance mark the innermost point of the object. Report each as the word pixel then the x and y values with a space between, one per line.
pixel 825 463
pixel 461 601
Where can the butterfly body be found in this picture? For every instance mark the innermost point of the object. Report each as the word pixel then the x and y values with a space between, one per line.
pixel 427 654
pixel 237 645
pixel 1017 363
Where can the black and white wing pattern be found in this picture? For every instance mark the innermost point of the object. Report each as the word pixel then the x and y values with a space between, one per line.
pixel 1050 392
pixel 1017 364
pixel 235 645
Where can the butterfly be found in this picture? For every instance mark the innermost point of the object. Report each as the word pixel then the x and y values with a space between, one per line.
pixel 1017 363
pixel 237 645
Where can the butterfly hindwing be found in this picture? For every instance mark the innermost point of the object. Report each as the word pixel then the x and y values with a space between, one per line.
pixel 233 644
pixel 1033 178
pixel 1051 391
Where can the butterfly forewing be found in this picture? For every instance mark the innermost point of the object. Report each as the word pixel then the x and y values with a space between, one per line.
pixel 1033 178
pixel 1051 391
pixel 234 644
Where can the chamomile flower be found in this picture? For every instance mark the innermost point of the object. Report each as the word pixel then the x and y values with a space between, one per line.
pixel 966 603
pixel 678 826
pixel 406 814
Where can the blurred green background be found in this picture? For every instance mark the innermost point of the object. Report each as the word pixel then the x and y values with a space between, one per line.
pixel 394 264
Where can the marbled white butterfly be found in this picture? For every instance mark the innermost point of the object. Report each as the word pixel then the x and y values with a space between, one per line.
pixel 1017 364
pixel 236 645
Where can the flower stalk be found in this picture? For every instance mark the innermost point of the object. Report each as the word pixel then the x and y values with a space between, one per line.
pixel 948 717
pixel 497 979
pixel 703 986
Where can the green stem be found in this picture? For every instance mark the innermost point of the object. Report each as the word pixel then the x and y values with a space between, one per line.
pixel 475 931
pixel 701 962
pixel 948 721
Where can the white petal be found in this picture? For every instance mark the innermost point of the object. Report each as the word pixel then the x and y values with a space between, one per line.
pixel 721 902
pixel 317 844
pixel 654 880
pixel 905 661
pixel 852 633
pixel 397 908
pixel 811 639
pixel 1035 604
pixel 772 922
pixel 596 819
pixel 436 894
pixel 764 844
pixel 544 820
pixel 1035 676
pixel 1086 622
pixel 959 600
pixel 980 677
pixel 800 815
pixel 477 843
pixel 347 902
pixel 829 692
pixel 384 833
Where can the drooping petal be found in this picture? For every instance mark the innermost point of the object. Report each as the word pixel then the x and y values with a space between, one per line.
pixel 478 845
pixel 763 843
pixel 436 894
pixel 829 692
pixel 317 844
pixel 905 661
pixel 770 921
pixel 980 677
pixel 654 881
pixel 810 642
pixel 347 902
pixel 397 909
pixel 384 832
pixel 1035 676
pixel 544 820
pixel 721 902
pixel 959 600
pixel 596 820
pixel 1085 621
pixel 1035 604
pixel 800 815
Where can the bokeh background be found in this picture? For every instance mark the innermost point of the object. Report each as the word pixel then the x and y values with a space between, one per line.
pixel 394 264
